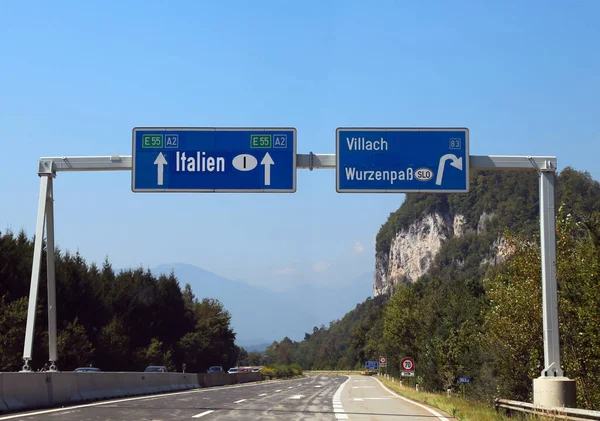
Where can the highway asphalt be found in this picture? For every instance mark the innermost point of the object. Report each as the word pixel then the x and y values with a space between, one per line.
pixel 316 397
pixel 365 398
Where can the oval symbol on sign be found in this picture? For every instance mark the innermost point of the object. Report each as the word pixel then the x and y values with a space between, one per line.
pixel 244 162
pixel 423 174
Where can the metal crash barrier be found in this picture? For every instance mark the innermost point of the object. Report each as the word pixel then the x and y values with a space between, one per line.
pixel 570 414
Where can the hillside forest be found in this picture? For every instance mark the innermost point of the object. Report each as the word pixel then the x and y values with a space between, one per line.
pixel 116 322
pixel 477 313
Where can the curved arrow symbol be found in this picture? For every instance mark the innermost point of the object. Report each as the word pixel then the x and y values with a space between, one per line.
pixel 160 162
pixel 267 161
pixel 456 163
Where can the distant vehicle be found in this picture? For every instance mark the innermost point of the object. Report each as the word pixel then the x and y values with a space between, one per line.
pixel 215 369
pixel 89 369
pixel 156 369
pixel 233 370
pixel 255 370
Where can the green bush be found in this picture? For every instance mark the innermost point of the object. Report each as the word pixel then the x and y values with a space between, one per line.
pixel 282 370
pixel 296 369
pixel 268 371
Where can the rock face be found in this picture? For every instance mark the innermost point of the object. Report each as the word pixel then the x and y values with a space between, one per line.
pixel 413 249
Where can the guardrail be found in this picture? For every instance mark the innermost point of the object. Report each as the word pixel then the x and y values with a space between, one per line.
pixel 568 414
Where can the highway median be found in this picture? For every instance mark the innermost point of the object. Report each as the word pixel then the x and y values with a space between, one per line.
pixel 25 391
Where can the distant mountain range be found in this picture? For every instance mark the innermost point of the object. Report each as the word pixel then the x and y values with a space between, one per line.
pixel 260 316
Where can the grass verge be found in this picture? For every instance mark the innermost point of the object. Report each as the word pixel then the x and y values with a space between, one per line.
pixel 459 409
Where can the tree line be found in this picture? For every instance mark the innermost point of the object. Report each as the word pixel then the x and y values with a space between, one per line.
pixel 114 321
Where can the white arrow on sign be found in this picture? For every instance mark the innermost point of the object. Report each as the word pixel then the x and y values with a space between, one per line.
pixel 456 163
pixel 160 162
pixel 267 161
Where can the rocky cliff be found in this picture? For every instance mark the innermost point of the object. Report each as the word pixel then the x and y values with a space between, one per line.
pixel 413 249
pixel 456 236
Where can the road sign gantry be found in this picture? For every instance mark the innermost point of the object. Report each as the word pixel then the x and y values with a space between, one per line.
pixel 423 166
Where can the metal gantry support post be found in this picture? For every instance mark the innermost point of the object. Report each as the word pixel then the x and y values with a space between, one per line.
pixel 552 365
pixel 552 389
pixel 51 274
pixel 45 218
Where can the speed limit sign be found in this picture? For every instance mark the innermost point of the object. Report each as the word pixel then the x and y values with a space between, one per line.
pixel 407 364
pixel 382 361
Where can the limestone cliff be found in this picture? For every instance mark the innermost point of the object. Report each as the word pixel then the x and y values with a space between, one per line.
pixel 413 249
pixel 456 236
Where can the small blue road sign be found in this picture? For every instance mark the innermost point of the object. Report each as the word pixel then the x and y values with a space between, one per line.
pixel 372 365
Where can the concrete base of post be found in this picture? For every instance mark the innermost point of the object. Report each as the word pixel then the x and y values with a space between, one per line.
pixel 554 392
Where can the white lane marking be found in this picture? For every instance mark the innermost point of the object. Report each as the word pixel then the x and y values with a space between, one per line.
pixel 296 397
pixel 440 416
pixel 138 398
pixel 263 394
pixel 338 408
pixel 160 397
pixel 241 400
pixel 318 386
pixel 291 387
pixel 203 414
pixel 278 390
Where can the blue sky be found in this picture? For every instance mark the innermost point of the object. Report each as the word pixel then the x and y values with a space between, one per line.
pixel 524 77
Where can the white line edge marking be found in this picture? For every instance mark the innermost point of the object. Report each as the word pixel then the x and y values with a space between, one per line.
pixel 263 394
pixel 137 398
pixel 203 414
pixel 241 400
pixel 338 408
pixel 440 416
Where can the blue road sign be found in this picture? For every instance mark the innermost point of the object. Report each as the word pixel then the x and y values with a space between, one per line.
pixel 372 365
pixel 242 160
pixel 464 380
pixel 402 160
